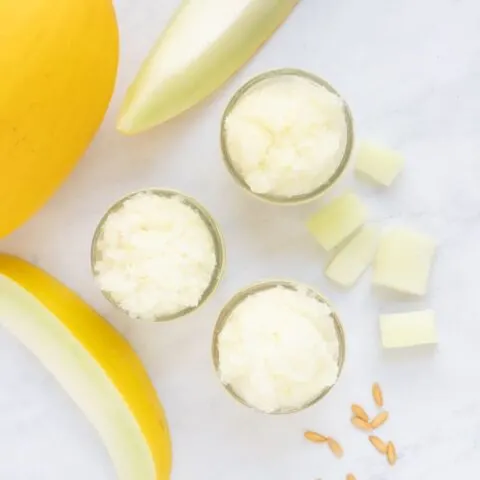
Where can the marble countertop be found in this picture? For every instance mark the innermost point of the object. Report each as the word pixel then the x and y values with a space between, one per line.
pixel 410 71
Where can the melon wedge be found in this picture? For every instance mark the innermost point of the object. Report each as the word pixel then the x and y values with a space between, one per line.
pixel 205 43
pixel 93 363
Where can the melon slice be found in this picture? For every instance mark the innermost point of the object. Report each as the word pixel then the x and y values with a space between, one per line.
pixel 349 264
pixel 404 260
pixel 205 43
pixel 408 329
pixel 335 222
pixel 380 164
pixel 94 365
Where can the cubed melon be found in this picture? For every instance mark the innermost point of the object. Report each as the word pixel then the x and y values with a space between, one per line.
pixel 337 221
pixel 401 330
pixel 378 163
pixel 349 264
pixel 404 260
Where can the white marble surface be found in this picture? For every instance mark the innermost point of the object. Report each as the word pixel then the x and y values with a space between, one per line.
pixel 411 72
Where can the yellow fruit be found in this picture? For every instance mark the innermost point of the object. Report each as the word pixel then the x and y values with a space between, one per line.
pixel 93 363
pixel 58 63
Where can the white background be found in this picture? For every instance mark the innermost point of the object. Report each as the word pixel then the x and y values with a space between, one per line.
pixel 410 71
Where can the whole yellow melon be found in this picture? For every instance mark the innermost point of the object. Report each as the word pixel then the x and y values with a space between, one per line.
pixel 58 63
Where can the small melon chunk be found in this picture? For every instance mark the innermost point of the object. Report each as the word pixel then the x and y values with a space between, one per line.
pixel 402 330
pixel 404 260
pixel 335 222
pixel 349 264
pixel 380 164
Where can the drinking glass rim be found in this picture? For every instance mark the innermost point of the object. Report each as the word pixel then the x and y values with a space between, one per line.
pixel 211 224
pixel 261 286
pixel 324 187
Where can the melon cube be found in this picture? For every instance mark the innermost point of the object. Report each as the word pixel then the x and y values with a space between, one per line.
pixel 410 329
pixel 337 221
pixel 349 264
pixel 403 261
pixel 380 164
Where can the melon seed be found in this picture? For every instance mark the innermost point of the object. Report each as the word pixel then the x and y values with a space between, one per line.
pixel 361 424
pixel 379 444
pixel 379 420
pixel 391 453
pixel 360 412
pixel 335 447
pixel 315 437
pixel 377 395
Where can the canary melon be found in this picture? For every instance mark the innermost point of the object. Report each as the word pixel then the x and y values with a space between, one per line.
pixel 94 364
pixel 203 45
pixel 58 63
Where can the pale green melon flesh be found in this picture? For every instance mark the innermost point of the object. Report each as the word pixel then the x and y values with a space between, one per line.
pixel 350 262
pixel 80 376
pixel 380 164
pixel 408 329
pixel 205 43
pixel 337 221
pixel 403 261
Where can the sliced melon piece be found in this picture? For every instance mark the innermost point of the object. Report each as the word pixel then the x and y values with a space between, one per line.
pixel 93 363
pixel 206 42
pixel 402 330
pixel 404 260
pixel 380 164
pixel 335 222
pixel 349 264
